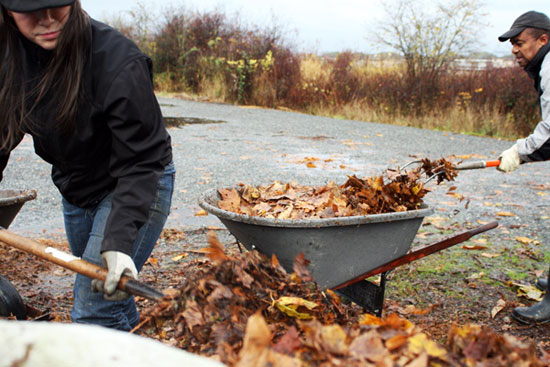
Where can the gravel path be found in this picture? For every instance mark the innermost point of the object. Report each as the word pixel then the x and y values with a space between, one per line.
pixel 254 145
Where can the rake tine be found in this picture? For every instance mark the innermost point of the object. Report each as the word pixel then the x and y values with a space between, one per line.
pixel 433 176
pixel 410 163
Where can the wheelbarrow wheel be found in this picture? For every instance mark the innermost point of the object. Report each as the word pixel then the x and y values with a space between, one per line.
pixel 11 302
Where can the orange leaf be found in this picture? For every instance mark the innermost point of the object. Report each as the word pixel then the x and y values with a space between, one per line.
pixel 215 251
pixel 396 341
pixel 524 240
pixel 201 213
pixel 506 214
pixel 474 247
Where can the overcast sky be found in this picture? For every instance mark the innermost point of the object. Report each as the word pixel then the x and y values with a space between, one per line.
pixel 323 25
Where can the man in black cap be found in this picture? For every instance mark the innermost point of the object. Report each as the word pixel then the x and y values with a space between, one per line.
pixel 529 35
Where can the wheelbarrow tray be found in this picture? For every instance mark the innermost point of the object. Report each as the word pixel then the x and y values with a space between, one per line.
pixel 11 201
pixel 339 249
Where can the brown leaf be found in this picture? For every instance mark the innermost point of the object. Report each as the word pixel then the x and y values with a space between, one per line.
pixel 289 342
pixel 220 292
pixel 333 339
pixel 396 341
pixel 421 361
pixel 256 349
pixel 216 251
pixel 473 247
pixel 231 200
pixel 300 267
pixel 369 346
pixel 192 315
pixel 499 307
pixel 524 240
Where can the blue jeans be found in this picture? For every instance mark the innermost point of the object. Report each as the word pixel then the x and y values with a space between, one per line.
pixel 85 229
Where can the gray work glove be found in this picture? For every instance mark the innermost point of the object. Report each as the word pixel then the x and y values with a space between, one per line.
pixel 117 264
pixel 509 159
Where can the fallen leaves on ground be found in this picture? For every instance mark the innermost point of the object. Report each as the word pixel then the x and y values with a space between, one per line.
pixel 245 310
pixel 397 191
pixel 22 269
pixel 528 291
pixel 479 346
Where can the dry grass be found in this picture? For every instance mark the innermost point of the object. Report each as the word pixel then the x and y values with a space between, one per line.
pixel 214 57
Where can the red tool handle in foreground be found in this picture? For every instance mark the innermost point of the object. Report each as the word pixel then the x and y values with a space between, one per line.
pixel 76 264
pixel 421 252
pixel 477 165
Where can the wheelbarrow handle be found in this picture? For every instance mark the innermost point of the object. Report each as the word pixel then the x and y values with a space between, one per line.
pixel 420 253
pixel 76 264
pixel 478 164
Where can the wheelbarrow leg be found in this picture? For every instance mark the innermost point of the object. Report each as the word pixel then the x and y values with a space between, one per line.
pixel 367 294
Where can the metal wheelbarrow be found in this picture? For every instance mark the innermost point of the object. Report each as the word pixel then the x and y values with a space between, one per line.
pixel 343 252
pixel 11 201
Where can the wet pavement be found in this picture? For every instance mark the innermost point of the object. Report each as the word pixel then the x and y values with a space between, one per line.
pixel 219 145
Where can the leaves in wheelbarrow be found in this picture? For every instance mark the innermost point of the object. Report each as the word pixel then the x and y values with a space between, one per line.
pixel 227 309
pixel 395 192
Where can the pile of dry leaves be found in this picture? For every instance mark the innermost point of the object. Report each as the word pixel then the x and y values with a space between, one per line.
pixel 398 191
pixel 246 311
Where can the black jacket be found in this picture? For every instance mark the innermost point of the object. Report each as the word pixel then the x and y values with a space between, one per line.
pixel 120 143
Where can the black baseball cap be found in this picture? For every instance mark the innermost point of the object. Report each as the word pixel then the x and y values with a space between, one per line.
pixel 25 6
pixel 531 19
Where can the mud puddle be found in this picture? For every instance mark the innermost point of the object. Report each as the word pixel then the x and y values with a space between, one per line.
pixel 184 121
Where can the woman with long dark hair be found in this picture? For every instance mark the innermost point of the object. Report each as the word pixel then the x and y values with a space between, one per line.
pixel 84 93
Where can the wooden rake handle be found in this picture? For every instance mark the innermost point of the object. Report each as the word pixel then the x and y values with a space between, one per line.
pixel 76 264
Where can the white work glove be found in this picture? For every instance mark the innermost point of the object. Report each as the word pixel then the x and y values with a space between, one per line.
pixel 509 159
pixel 117 264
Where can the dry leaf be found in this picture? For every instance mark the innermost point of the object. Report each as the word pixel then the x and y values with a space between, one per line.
pixel 179 257
pixel 152 261
pixel 421 361
pixel 524 240
pixel 369 346
pixel 397 341
pixel 215 251
pixel 256 349
pixel 290 305
pixel 473 247
pixel 476 276
pixel 413 310
pixel 488 255
pixel 499 307
pixel 505 214
pixel 334 339
pixel 420 343
pixel 529 291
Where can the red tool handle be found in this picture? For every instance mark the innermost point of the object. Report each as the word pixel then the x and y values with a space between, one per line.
pixel 478 164
pixel 492 163
pixel 421 252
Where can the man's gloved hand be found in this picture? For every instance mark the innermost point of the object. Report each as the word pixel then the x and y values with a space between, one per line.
pixel 509 159
pixel 118 264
